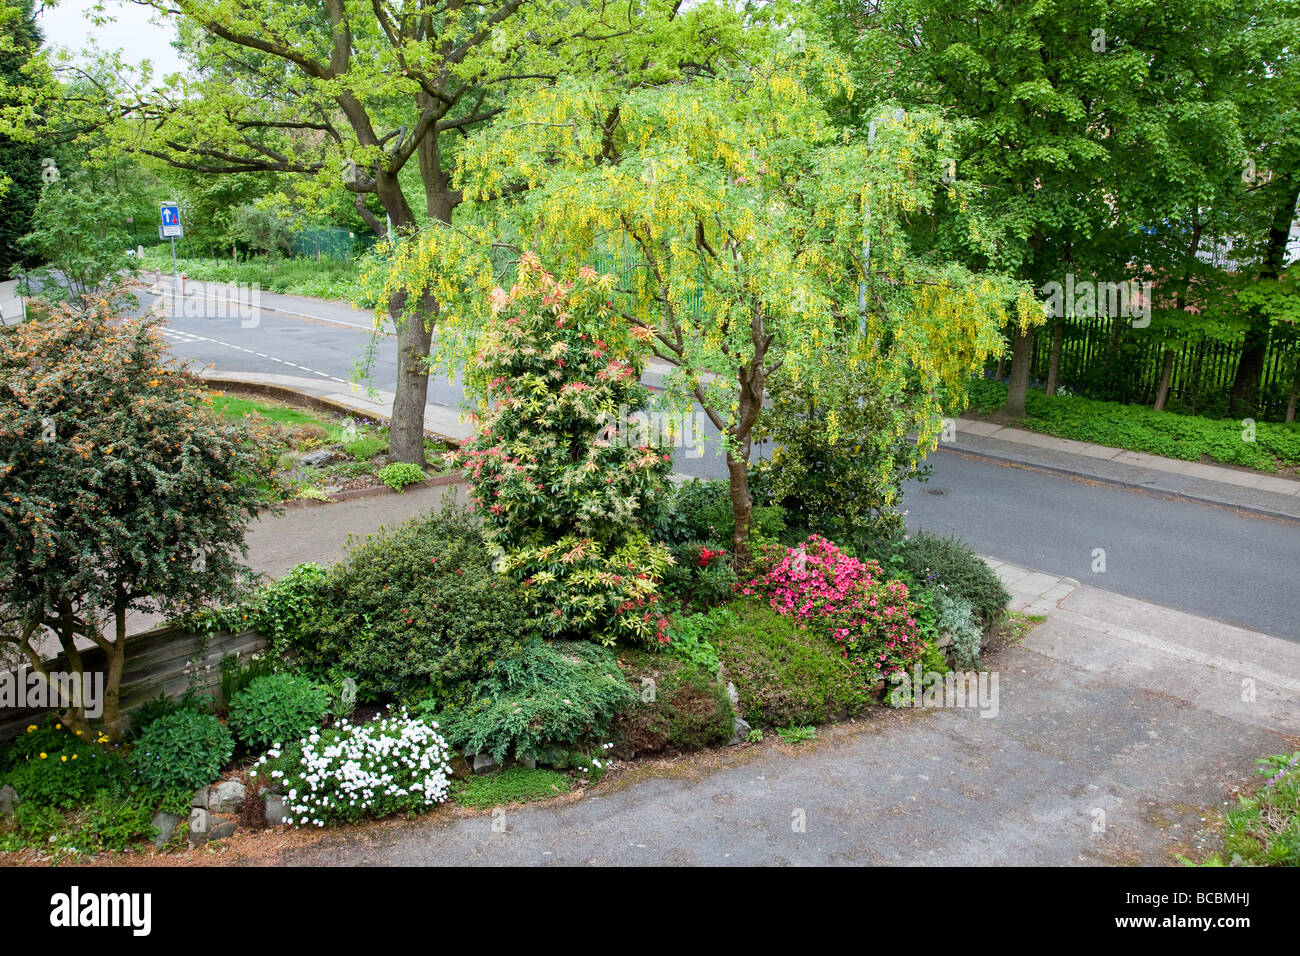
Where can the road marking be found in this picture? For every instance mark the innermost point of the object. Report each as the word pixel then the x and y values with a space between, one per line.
pixel 190 338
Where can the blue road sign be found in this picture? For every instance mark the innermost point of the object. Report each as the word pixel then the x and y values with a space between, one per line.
pixel 171 220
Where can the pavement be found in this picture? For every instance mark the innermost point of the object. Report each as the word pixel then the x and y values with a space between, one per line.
pixel 1120 727
pixel 1242 488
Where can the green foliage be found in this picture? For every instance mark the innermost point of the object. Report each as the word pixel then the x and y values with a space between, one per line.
pixel 513 785
pixel 1264 828
pixel 368 446
pixel 700 576
pixel 83 249
pixel 699 510
pixel 324 279
pixel 163 706
pixel 680 706
pixel 546 695
pixel 237 673
pixel 182 750
pixel 577 587
pixel 688 637
pixel 121 492
pixel 1136 427
pixel 112 822
pixel 951 564
pixel 795 735
pixel 401 474
pixel 55 767
pixel 955 616
pixel 783 673
pixel 842 451
pixel 412 610
pixel 277 709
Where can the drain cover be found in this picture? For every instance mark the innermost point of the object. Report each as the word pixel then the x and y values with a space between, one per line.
pixel 935 491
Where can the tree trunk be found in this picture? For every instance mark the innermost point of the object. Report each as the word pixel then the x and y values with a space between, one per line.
pixel 1250 369
pixel 1018 388
pixel 1291 403
pixel 414 335
pixel 112 716
pixel 1166 379
pixel 1054 366
pixel 742 503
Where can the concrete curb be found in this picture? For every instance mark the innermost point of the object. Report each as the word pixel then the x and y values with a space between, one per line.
pixel 293 396
pixel 353 494
pixel 1121 483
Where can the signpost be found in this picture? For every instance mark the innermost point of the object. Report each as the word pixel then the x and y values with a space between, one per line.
pixel 171 228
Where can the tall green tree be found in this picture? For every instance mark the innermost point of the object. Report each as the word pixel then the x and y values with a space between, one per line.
pixel 119 491
pixel 1080 118
pixel 371 96
pixel 734 214
pixel 20 150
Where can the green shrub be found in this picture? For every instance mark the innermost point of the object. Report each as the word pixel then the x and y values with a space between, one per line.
pixel 161 706
pixel 414 611
pixel 513 785
pixel 950 563
pixel 400 474
pixel 785 674
pixel 841 452
pixel 688 637
pixel 276 709
pixel 578 588
pixel 237 673
pixel 182 750
pixel 55 767
pixel 700 576
pixel 282 611
pixel 679 706
pixel 544 696
pixel 955 617
pixel 700 511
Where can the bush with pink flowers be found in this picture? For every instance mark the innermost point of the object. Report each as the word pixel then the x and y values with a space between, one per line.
pixel 850 601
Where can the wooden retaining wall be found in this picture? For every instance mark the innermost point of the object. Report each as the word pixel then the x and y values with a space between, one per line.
pixel 157 661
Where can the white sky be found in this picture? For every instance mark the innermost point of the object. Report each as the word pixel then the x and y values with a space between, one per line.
pixel 131 32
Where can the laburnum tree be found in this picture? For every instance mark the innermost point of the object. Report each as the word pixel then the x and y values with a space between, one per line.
pixel 751 236
pixel 375 97
pixel 119 491
pixel 564 487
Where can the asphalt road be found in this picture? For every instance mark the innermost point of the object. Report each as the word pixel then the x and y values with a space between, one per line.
pixel 1212 562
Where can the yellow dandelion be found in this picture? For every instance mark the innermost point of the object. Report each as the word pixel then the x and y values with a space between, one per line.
pixel 44 755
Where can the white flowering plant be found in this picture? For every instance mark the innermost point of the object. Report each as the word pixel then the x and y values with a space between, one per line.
pixel 393 763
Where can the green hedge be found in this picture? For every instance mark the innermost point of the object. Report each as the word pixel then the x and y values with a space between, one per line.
pixel 1139 428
